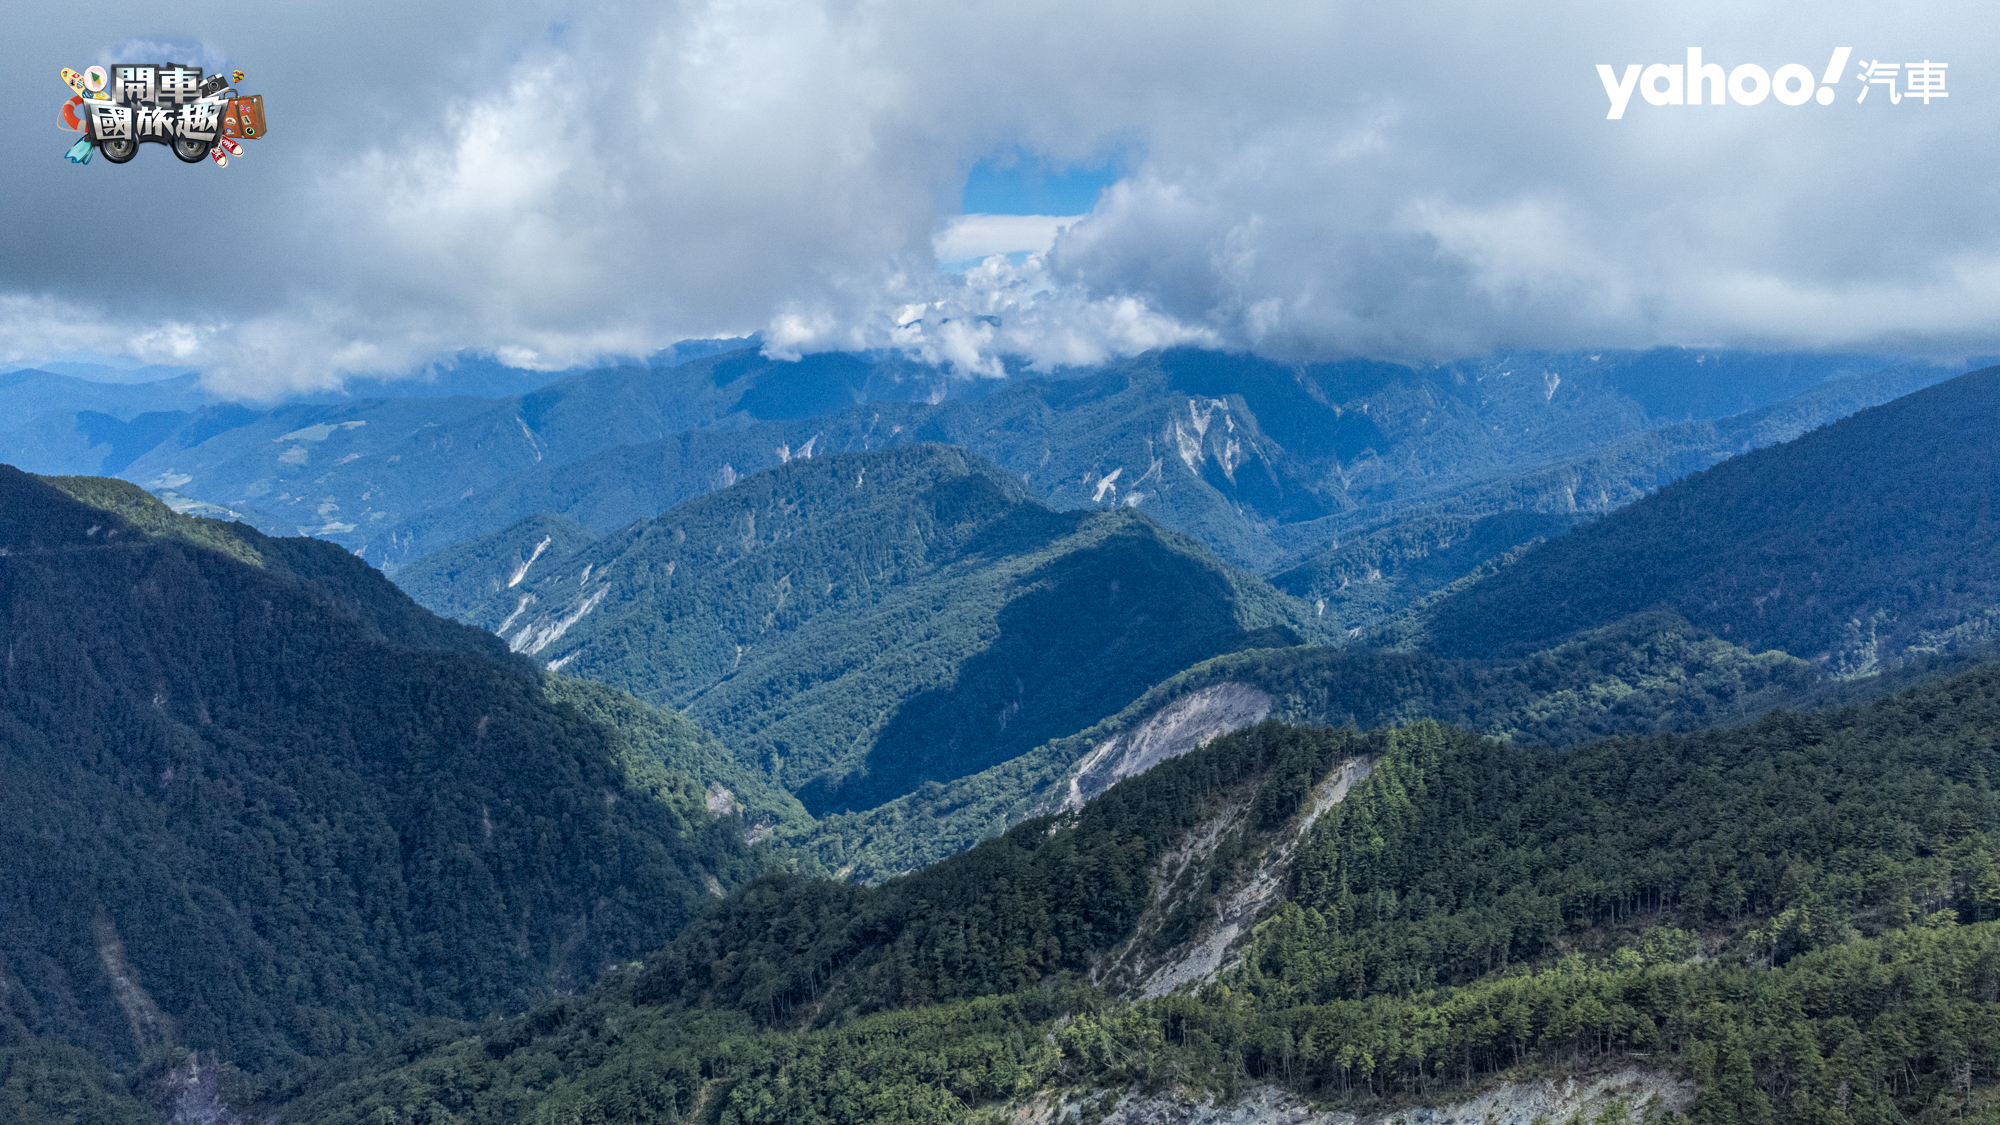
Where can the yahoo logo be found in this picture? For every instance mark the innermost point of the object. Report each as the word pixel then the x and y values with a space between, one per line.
pixel 1749 84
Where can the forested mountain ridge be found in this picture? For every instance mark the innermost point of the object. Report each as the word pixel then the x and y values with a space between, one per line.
pixel 1260 461
pixel 1649 673
pixel 1247 455
pixel 1796 915
pixel 259 805
pixel 859 624
pixel 463 577
pixel 1364 567
pixel 346 471
pixel 1639 671
pixel 1854 546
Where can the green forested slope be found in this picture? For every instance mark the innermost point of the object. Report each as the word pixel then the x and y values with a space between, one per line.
pixel 1368 565
pixel 1260 461
pixel 256 803
pixel 1798 915
pixel 1894 559
pixel 859 624
pixel 1854 546
pixel 670 738
pixel 465 576
pixel 1650 673
pixel 1380 573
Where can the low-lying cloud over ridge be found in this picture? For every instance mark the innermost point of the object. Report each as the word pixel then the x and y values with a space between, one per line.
pixel 552 182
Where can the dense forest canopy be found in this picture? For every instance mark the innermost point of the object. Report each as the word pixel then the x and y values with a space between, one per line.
pixel 280 839
pixel 1853 546
pixel 859 624
pixel 256 803
pixel 1799 914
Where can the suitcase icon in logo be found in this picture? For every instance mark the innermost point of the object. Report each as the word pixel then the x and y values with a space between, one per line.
pixel 244 117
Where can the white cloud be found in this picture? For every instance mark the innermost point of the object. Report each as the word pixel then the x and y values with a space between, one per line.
pixel 551 182
pixel 966 237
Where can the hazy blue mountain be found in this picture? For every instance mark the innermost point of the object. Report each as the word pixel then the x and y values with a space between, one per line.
pixel 260 805
pixel 859 624
pixel 1266 463
pixel 1231 449
pixel 28 394
pixel 62 422
pixel 109 373
pixel 1201 463
pixel 346 471
pixel 1853 546
pixel 90 443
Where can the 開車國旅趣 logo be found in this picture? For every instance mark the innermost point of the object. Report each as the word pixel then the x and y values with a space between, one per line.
pixel 1793 84
pixel 200 118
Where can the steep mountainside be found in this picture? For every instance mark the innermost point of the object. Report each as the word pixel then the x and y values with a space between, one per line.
pixel 1230 449
pixel 1855 546
pixel 259 805
pixel 1378 574
pixel 1797 916
pixel 861 624
pixel 1633 669
pixel 467 575
pixel 1649 673
pixel 1378 560
pixel 1183 436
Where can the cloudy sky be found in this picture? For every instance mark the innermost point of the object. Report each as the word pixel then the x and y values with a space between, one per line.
pixel 552 182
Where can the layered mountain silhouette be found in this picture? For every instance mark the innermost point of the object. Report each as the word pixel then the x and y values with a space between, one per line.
pixel 1262 462
pixel 1849 562
pixel 1855 546
pixel 860 624
pixel 372 864
pixel 1265 463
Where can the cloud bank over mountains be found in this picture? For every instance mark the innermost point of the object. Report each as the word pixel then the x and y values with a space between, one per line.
pixel 553 182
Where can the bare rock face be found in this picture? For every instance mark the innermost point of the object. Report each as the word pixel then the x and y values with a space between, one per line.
pixel 1597 1098
pixel 1183 725
pixel 1183 876
pixel 191 1093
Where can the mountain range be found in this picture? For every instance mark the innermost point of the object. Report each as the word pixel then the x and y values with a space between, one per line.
pixel 1374 922
pixel 1266 463
pixel 895 777
pixel 860 624
pixel 1853 546
pixel 804 682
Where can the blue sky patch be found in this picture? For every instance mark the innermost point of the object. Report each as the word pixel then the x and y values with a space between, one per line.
pixel 1021 183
